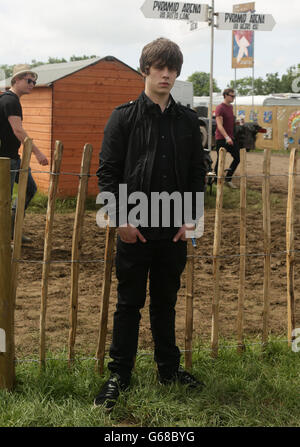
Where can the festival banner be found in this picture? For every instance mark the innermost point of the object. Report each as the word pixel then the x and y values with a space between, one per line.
pixel 243 41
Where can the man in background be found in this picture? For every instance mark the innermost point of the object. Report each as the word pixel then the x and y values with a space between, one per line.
pixel 12 133
pixel 225 134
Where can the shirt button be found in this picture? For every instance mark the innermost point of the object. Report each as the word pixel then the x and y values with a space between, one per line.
pixel 163 155
pixel 164 176
pixel 162 137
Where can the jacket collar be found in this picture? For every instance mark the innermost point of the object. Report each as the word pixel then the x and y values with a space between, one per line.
pixel 152 108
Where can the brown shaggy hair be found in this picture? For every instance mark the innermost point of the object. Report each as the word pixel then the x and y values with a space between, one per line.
pixel 161 52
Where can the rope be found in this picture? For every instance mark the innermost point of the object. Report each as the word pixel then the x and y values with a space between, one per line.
pixel 246 254
pixel 95 261
pixel 58 261
pixel 212 176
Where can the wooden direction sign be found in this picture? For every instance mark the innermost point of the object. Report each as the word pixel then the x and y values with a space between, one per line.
pixel 175 11
pixel 245 21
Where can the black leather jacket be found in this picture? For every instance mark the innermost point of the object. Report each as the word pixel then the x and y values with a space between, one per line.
pixel 129 146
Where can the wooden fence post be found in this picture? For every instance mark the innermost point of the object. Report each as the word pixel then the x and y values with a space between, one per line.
pixel 216 253
pixel 19 218
pixel 22 186
pixel 241 298
pixel 76 244
pixel 106 285
pixel 290 256
pixel 7 363
pixel 54 177
pixel 267 243
pixel 189 306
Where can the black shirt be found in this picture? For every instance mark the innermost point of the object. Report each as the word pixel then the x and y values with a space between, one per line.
pixel 9 106
pixel 163 175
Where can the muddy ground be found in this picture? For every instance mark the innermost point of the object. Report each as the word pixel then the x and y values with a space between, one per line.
pixel 91 275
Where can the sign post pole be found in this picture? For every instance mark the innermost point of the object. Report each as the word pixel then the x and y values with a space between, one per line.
pixel 211 78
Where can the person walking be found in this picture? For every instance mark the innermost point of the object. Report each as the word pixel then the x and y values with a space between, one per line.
pixel 151 145
pixel 12 133
pixel 225 134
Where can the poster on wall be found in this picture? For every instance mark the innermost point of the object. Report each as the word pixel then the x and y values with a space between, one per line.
pixel 268 116
pixel 243 41
pixel 269 134
pixel 241 116
pixel 294 121
pixel 253 118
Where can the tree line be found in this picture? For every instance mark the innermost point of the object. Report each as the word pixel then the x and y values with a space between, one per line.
pixel 8 69
pixel 272 83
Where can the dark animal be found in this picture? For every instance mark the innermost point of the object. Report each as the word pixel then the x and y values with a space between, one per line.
pixel 245 135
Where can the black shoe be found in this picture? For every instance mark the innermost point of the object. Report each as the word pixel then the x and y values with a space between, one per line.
pixel 110 392
pixel 26 239
pixel 183 377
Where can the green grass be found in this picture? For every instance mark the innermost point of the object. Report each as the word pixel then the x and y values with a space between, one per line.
pixel 231 198
pixel 68 205
pixel 252 389
pixel 273 151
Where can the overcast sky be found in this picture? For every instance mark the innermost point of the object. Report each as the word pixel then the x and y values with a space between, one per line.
pixel 37 29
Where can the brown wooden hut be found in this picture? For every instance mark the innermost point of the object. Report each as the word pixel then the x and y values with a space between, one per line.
pixel 72 103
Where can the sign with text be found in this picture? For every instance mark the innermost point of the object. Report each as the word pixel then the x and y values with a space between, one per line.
pixel 175 11
pixel 245 21
pixel 243 41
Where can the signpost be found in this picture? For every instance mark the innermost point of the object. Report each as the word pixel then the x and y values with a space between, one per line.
pixel 245 21
pixel 175 11
pixel 193 13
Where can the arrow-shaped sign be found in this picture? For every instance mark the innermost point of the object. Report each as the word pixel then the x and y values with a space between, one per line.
pixel 175 11
pixel 245 21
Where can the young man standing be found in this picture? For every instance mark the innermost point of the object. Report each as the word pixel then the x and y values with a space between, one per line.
pixel 152 145
pixel 12 133
pixel 225 134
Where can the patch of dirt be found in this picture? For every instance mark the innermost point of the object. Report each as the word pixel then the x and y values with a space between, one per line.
pixel 91 276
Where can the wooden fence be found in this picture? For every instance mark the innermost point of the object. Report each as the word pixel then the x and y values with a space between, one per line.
pixel 9 260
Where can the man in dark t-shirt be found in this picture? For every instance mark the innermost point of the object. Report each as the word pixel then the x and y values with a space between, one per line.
pixel 225 134
pixel 12 133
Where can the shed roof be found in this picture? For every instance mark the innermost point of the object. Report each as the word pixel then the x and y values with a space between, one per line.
pixel 49 73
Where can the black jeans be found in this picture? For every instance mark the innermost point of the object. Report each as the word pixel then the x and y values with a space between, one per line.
pixel 235 153
pixel 164 260
pixel 31 189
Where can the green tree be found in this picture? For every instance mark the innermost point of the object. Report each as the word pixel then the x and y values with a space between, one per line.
pixel 243 86
pixel 272 84
pixel 200 81
pixel 287 79
pixel 56 60
pixel 81 58
pixel 7 69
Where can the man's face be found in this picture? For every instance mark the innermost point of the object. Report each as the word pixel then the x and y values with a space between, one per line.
pixel 160 80
pixel 230 97
pixel 25 85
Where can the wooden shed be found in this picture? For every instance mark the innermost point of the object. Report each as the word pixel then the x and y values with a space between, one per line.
pixel 72 103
